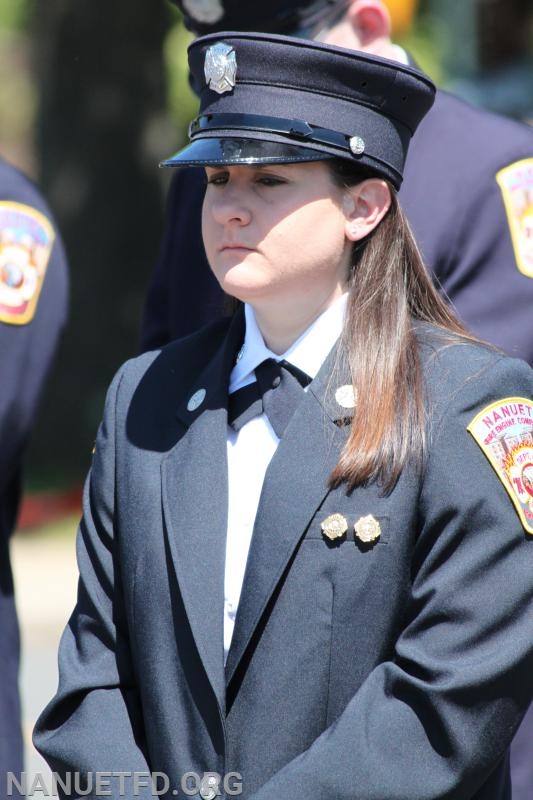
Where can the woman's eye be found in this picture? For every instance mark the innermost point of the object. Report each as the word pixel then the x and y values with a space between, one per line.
pixel 219 179
pixel 270 180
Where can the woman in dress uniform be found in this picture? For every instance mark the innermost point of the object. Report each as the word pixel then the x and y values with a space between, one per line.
pixel 305 555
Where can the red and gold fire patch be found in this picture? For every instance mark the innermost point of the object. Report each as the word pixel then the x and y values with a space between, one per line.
pixel 516 183
pixel 26 240
pixel 504 431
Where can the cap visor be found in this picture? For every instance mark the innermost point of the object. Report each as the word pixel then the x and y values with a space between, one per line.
pixel 228 150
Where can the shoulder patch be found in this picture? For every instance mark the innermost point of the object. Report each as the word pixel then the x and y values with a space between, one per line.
pixel 26 240
pixel 504 431
pixel 516 183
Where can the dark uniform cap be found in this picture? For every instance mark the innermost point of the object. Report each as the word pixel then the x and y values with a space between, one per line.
pixel 274 16
pixel 275 99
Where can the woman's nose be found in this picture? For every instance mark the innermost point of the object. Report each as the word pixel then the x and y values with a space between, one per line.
pixel 229 207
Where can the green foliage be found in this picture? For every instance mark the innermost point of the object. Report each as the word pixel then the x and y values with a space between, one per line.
pixel 426 42
pixel 17 93
pixel 14 14
pixel 17 99
pixel 183 103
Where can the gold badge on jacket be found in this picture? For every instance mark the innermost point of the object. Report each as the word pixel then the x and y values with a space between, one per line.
pixel 26 240
pixel 504 432
pixel 367 529
pixel 334 527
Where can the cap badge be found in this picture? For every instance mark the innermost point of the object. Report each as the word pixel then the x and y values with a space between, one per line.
pixel 206 11
pixel 220 67
pixel 334 527
pixel 357 145
pixel 367 529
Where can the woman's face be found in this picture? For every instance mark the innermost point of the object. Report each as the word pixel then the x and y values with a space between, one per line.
pixel 276 233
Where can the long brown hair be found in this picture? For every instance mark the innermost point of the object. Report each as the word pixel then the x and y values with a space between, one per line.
pixel 389 289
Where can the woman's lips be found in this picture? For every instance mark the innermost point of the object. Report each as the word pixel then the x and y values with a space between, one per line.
pixel 234 246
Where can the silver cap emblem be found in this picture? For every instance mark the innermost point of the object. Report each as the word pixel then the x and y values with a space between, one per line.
pixel 206 11
pixel 357 145
pixel 220 67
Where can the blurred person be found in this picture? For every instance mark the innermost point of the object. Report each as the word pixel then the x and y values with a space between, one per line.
pixel 306 552
pixel 469 228
pixel 33 308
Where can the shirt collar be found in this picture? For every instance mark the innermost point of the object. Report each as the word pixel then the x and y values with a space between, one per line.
pixel 400 54
pixel 308 352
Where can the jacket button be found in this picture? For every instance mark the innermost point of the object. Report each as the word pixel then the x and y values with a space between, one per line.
pixel 196 400
pixel 208 788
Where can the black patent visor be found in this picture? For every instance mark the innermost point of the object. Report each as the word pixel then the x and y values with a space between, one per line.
pixel 234 150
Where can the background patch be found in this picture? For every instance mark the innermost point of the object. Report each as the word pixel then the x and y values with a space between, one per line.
pixel 516 183
pixel 26 240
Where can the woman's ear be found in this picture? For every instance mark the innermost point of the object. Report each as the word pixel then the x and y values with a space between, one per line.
pixel 371 24
pixel 365 205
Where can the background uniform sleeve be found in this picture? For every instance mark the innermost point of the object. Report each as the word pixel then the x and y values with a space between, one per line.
pixel 26 354
pixel 456 208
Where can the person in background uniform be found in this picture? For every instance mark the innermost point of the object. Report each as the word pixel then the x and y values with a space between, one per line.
pixel 473 229
pixel 330 596
pixel 33 308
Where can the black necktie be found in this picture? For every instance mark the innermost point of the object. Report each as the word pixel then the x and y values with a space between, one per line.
pixel 277 391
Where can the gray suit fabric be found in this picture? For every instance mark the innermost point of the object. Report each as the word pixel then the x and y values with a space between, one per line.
pixel 398 671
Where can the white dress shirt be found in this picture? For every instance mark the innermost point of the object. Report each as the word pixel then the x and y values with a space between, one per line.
pixel 251 448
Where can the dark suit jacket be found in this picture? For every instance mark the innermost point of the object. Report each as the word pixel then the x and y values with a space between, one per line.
pixel 398 671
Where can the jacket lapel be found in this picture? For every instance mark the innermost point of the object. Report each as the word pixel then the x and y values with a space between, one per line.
pixel 194 494
pixel 295 485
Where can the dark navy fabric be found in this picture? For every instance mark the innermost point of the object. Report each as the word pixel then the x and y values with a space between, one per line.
pixel 397 670
pixel 26 353
pixel 455 208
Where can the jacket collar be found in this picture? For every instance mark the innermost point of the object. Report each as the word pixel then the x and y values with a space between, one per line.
pixel 195 489
pixel 210 390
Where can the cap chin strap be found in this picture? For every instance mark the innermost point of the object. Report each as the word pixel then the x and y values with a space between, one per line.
pixel 296 129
